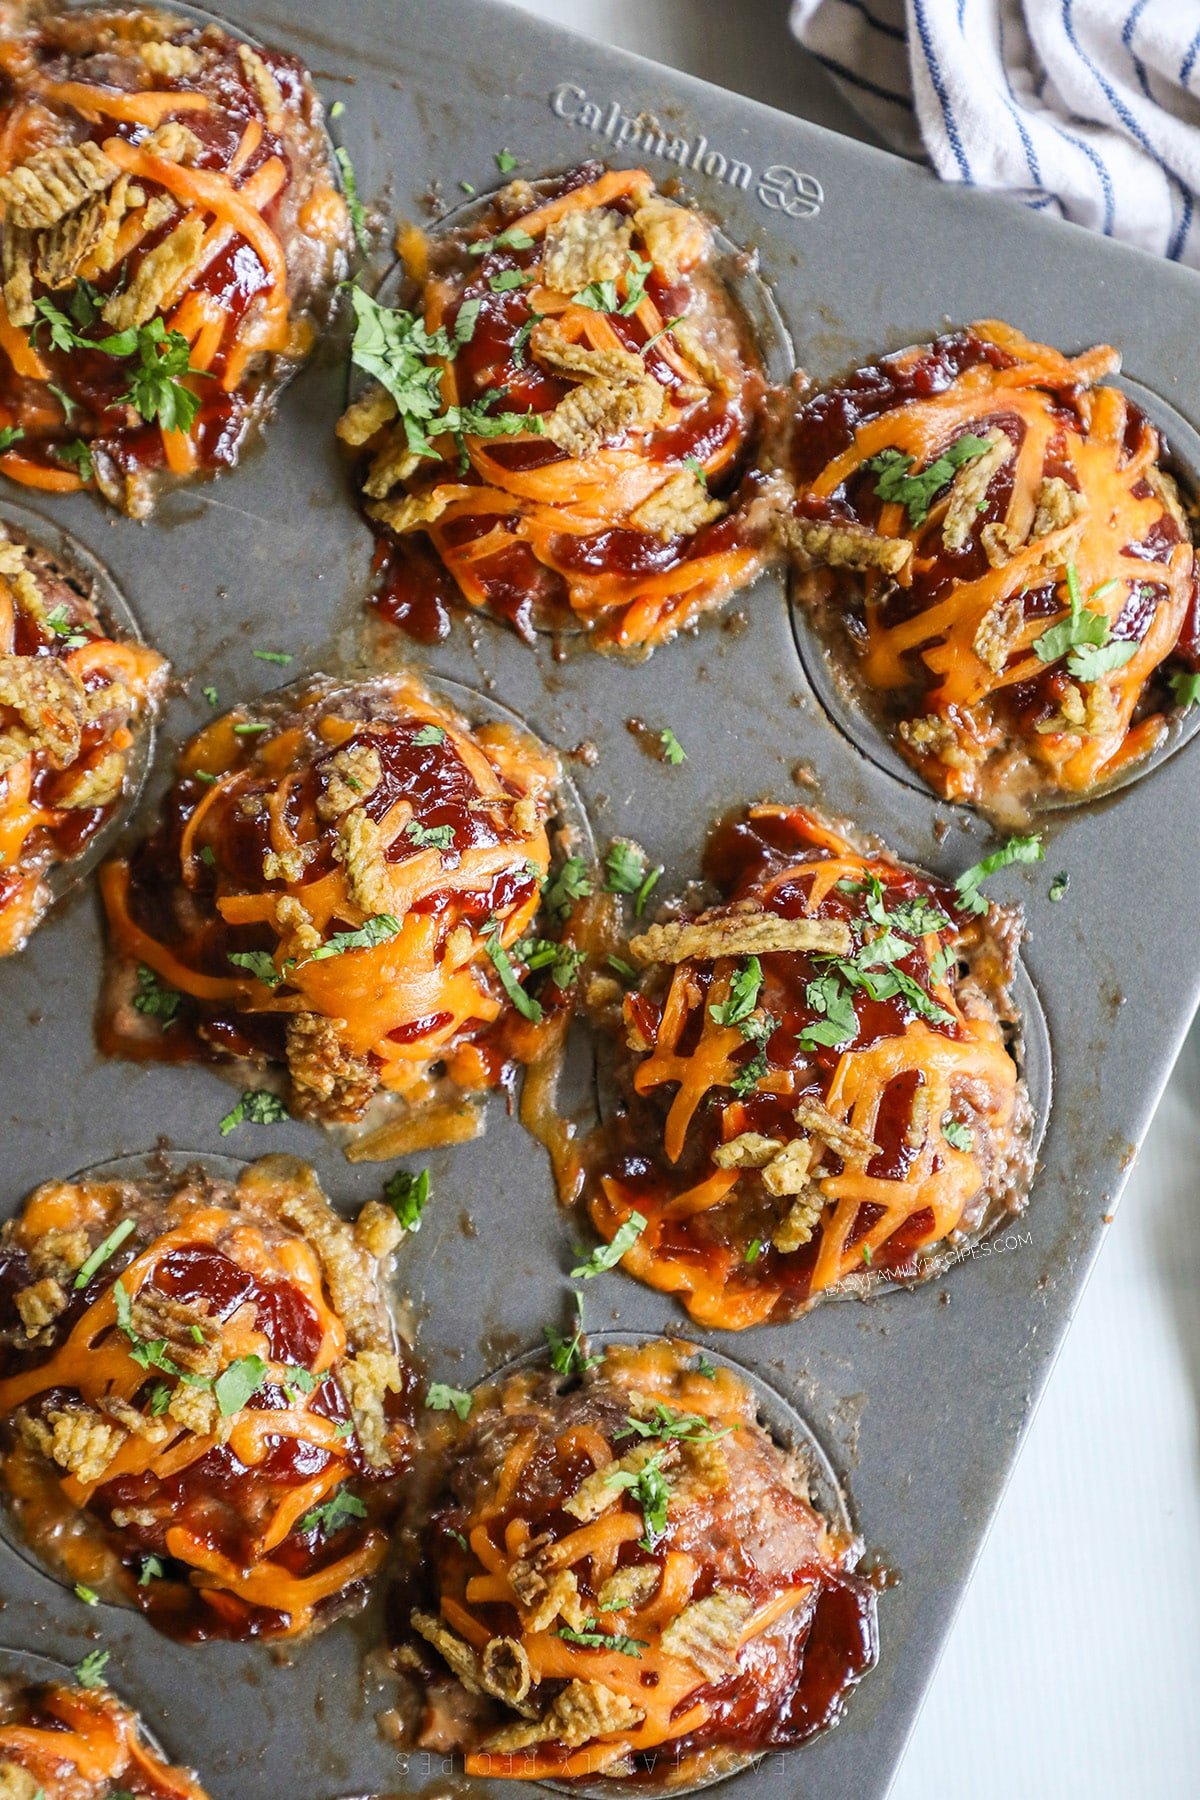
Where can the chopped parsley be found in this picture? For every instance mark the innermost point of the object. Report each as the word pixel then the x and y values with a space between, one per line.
pixel 607 1256
pixel 90 1672
pixel 102 1252
pixel 1186 688
pixel 957 1133
pixel 153 1569
pixel 237 1383
pixel 508 280
pixel 377 930
pixel 706 1367
pixel 649 1488
pixel 1059 886
pixel 896 485
pixel 156 390
pixel 838 1024
pixel 63 626
pixel 627 871
pixel 525 1004
pixel 334 1514
pixel 568 884
pixel 1016 850
pixel 256 1107
pixel 673 750
pixel 440 1398
pixel 591 1639
pixel 743 995
pixel 602 296
pixel 506 162
pixel 563 960
pixel 1084 637
pixel 567 1355
pixel 757 1030
pixel 428 735
pixel 430 837
pixel 154 999
pixel 408 1196
pixel 10 435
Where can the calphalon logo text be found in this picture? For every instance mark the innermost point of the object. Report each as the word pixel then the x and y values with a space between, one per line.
pixel 780 187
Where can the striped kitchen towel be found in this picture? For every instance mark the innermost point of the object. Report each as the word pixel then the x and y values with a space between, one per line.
pixel 1085 108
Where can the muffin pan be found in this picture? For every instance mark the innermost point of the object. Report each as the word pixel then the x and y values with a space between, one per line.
pixel 919 1399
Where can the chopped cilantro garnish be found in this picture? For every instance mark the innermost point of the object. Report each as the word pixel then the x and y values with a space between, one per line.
pixel 508 280
pixel 10 435
pixel 619 966
pixel 337 109
pixel 90 1672
pixel 334 1514
pixel 706 1367
pixel 88 1595
pixel 153 1569
pixel 377 930
pixel 754 1250
pixel 591 1639
pixel 567 1355
pixel 648 1485
pixel 211 695
pixel 916 492
pixel 155 999
pixel 525 1004
pixel 511 239
pixel 673 750
pixel 866 1255
pixel 251 728
pixel 256 1107
pixel 697 468
pixel 957 1133
pixel 430 837
pixel 567 884
pixel 354 205
pixel 273 656
pixel 1059 885
pixel 563 960
pixel 627 871
pixel 428 735
pixel 1186 688
pixel 102 1252
pixel 1084 637
pixel 77 453
pixel 744 987
pixel 407 1195
pixel 260 964
pixel 1016 850
pixel 607 1256
pixel 155 388
pixel 237 1383
pixel 664 1423
pixel 440 1398
pixel 505 161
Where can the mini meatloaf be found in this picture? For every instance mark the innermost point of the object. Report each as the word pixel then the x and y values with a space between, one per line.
pixel 73 704
pixel 204 1407
pixel 817 1082
pixel 171 240
pixel 575 431
pixel 625 1577
pixel 346 885
pixel 80 1743
pixel 993 535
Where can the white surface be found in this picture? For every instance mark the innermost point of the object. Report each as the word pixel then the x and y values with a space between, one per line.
pixel 1072 1671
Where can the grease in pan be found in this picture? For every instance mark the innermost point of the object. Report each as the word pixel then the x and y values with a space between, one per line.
pixel 204 1408
pixel 816 1087
pixel 569 427
pixel 347 886
pixel 1002 562
pixel 74 700
pixel 624 1577
pixel 171 241
pixel 59 1742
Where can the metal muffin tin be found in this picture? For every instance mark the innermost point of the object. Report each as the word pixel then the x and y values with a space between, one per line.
pixel 919 1398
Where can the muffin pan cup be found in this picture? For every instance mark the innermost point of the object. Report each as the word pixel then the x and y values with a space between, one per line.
pixel 919 1397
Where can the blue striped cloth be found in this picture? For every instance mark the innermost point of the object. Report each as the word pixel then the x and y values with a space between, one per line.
pixel 1089 109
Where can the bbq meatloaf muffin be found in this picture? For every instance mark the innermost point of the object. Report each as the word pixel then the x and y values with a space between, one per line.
pixel 816 1078
pixel 625 1577
pixel 567 427
pixel 80 1743
pixel 205 1411
pixel 171 241
pixel 993 536
pixel 74 705
pixel 347 887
